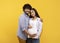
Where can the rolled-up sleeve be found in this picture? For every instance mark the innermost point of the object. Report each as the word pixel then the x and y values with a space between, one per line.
pixel 22 23
pixel 39 28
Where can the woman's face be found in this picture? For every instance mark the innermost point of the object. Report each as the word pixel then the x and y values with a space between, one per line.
pixel 32 13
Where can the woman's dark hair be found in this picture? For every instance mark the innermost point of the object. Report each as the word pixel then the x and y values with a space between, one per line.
pixel 27 6
pixel 36 13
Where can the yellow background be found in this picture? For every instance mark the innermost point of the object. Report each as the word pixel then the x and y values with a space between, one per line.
pixel 49 11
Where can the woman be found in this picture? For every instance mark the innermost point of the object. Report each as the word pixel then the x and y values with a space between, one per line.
pixel 35 27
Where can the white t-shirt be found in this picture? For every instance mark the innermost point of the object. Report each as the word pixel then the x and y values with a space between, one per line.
pixel 34 29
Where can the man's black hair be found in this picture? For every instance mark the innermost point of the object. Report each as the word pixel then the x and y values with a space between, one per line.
pixel 27 6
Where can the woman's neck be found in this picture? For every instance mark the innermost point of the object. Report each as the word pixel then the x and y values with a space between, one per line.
pixel 34 18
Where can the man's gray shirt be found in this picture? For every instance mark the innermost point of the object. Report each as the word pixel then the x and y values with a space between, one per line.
pixel 23 25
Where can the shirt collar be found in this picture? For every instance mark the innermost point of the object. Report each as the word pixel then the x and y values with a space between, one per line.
pixel 26 15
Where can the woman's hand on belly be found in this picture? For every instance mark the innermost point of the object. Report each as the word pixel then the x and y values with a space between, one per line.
pixel 32 35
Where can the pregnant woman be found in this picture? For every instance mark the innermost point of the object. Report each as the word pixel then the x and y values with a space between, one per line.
pixel 35 27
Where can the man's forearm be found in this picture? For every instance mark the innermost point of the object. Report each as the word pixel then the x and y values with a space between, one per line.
pixel 26 32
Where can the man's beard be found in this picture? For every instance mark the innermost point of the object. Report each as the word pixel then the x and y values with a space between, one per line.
pixel 27 13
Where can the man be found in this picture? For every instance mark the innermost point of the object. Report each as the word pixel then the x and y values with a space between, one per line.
pixel 23 24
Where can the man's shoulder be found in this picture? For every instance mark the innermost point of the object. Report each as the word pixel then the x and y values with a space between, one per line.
pixel 22 15
pixel 30 19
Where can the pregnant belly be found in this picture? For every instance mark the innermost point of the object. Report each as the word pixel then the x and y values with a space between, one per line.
pixel 32 31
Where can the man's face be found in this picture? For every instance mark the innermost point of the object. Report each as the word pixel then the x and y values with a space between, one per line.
pixel 27 11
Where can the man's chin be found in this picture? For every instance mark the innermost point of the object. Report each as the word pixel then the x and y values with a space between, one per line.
pixel 26 13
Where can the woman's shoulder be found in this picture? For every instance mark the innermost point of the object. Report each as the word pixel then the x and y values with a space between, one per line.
pixel 39 19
